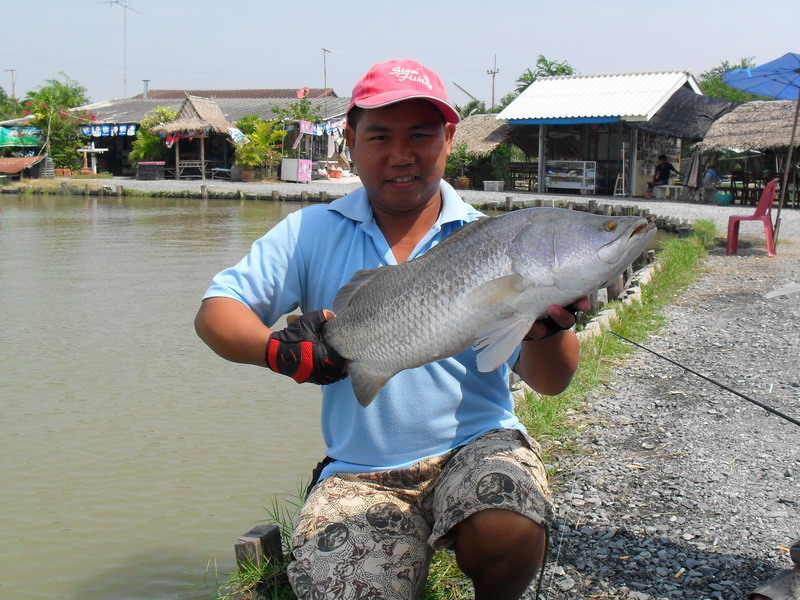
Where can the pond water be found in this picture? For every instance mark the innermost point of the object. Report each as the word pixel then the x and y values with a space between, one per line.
pixel 131 456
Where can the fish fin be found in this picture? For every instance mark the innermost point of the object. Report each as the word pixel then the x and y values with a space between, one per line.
pixel 493 292
pixel 497 341
pixel 348 291
pixel 365 385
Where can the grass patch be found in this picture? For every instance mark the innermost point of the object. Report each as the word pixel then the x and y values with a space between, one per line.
pixel 549 419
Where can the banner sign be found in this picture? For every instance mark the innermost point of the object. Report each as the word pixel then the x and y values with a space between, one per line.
pixel 108 130
pixel 20 136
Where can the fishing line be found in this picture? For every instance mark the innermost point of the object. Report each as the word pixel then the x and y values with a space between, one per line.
pixel 769 409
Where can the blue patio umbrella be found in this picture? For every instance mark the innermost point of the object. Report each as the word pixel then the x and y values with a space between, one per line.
pixel 780 79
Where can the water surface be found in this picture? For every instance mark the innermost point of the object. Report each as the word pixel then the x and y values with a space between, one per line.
pixel 131 455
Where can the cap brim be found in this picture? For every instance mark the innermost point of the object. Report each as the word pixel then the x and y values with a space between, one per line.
pixel 450 114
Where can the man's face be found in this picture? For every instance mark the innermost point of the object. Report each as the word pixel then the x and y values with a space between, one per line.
pixel 400 151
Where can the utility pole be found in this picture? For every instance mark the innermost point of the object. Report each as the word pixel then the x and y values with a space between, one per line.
pixel 126 8
pixel 325 53
pixel 493 72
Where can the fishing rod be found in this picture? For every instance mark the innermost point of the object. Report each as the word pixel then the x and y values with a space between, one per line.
pixel 769 409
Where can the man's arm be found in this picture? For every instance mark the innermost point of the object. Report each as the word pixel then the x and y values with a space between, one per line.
pixel 236 333
pixel 232 330
pixel 548 363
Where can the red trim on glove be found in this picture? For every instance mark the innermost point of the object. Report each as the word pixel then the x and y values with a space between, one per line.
pixel 306 362
pixel 272 355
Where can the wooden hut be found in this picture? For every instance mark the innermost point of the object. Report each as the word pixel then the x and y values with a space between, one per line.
pixel 197 119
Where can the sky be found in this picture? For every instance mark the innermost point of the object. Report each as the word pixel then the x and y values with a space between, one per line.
pixel 111 46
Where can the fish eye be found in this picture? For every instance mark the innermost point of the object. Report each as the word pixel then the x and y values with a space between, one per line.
pixel 611 225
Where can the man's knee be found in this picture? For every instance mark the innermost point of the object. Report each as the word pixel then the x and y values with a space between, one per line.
pixel 494 535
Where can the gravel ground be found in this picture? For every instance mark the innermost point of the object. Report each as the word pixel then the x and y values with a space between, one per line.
pixel 679 488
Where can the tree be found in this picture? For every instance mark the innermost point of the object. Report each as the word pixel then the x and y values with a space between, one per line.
pixel 302 110
pixel 66 94
pixel 473 107
pixel 712 85
pixel 149 146
pixel 9 106
pixel 50 110
pixel 544 68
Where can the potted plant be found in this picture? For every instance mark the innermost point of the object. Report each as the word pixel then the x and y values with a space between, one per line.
pixel 456 167
pixel 261 148
pixel 248 157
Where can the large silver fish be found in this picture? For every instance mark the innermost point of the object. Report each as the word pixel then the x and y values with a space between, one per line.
pixel 482 287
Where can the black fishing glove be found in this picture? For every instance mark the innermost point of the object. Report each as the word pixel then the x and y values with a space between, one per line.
pixel 299 352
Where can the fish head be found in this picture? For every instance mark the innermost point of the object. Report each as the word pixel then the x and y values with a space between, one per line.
pixel 579 252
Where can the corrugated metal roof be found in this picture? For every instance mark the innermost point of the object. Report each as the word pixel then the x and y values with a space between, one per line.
pixel 12 166
pixel 587 98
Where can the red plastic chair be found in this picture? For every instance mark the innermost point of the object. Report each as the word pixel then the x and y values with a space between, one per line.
pixel 763 213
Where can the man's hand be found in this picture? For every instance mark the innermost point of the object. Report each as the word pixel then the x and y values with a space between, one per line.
pixel 299 352
pixel 558 319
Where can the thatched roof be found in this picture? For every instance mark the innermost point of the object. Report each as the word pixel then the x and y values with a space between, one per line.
pixel 196 114
pixel 482 134
pixel 758 125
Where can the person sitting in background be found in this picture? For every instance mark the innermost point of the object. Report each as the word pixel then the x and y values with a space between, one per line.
pixel 661 175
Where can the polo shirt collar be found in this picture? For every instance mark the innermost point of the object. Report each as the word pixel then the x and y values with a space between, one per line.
pixel 355 206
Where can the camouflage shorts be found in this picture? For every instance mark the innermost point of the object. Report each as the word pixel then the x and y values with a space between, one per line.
pixel 373 535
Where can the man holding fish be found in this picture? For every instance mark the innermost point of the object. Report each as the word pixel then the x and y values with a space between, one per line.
pixel 431 455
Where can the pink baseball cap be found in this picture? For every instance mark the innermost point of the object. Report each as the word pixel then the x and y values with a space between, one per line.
pixel 397 80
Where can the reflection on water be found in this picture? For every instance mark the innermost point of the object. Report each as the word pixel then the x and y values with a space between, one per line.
pixel 130 454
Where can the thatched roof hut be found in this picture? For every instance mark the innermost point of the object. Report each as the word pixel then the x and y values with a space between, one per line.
pixel 482 134
pixel 758 125
pixel 201 115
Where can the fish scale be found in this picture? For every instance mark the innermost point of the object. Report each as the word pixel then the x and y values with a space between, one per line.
pixel 482 287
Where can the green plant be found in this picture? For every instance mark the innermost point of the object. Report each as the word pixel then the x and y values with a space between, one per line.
pixel 52 111
pixel 264 142
pixel 458 162
pixel 268 581
pixel 302 110
pixel 149 146
pixel 61 129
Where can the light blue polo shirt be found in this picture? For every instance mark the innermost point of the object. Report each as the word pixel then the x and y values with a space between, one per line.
pixel 302 262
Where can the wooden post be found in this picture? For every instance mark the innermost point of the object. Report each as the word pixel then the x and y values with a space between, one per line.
pixel 177 159
pixel 276 195
pixel 615 290
pixel 261 543
pixel 323 196
pixel 119 190
pixel 509 202
pixel 204 192
pixel 203 158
